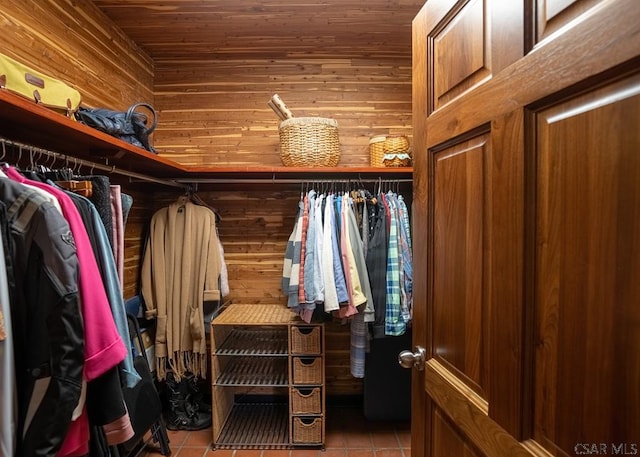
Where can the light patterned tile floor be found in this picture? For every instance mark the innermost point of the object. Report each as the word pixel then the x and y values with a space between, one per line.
pixel 347 434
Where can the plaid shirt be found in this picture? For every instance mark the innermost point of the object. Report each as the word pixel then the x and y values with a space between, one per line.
pixel 394 323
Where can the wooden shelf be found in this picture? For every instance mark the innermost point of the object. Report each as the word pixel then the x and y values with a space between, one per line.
pixel 296 173
pixel 26 122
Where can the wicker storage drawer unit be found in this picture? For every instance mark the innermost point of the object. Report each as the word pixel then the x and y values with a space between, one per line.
pixel 263 397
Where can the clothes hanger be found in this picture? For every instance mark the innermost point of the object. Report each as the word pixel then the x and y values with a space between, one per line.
pixel 4 151
pixel 82 187
pixel 195 198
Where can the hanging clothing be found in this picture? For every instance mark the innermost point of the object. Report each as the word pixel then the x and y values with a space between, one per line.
pixel 105 262
pixel 338 271
pixel 49 349
pixel 329 279
pixel 224 274
pixel 103 346
pixel 8 400
pixel 101 198
pixel 359 339
pixel 118 232
pixel 354 285
pixel 310 253
pixel 180 271
pixel 377 266
pixel 356 248
pixel 303 248
pixel 291 266
pixel 352 254
pixel 318 278
pixel 406 256
pixel 394 322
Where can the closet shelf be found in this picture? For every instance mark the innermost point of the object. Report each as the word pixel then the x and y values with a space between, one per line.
pixel 255 342
pixel 26 122
pixel 29 123
pixel 255 426
pixel 251 371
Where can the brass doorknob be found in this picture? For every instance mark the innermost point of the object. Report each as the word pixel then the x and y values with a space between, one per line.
pixel 408 359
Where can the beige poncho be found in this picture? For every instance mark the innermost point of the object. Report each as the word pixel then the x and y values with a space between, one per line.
pixel 180 271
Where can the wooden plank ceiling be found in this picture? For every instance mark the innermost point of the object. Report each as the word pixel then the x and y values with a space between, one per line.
pixel 266 29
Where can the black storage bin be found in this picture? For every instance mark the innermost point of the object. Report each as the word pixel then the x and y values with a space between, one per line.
pixel 387 386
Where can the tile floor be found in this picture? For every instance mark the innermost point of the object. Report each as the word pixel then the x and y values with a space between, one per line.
pixel 348 434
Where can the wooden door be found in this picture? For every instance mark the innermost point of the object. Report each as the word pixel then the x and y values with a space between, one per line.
pixel 527 227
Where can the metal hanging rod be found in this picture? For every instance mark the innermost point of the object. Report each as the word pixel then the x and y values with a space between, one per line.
pixel 284 180
pixel 88 163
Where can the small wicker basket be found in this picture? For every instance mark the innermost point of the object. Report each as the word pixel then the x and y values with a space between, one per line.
pixel 307 370
pixel 307 430
pixel 306 401
pixel 376 150
pixel 389 151
pixel 309 142
pixel 305 340
pixel 396 144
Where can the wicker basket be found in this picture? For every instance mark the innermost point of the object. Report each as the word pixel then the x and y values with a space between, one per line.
pixel 307 370
pixel 307 430
pixel 396 144
pixel 309 142
pixel 383 150
pixel 306 401
pixel 376 150
pixel 305 340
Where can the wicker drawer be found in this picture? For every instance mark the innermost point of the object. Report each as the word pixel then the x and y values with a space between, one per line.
pixel 306 340
pixel 307 370
pixel 306 400
pixel 307 430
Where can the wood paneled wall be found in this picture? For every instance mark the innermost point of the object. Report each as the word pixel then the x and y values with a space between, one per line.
pixel 74 41
pixel 215 112
pixel 211 112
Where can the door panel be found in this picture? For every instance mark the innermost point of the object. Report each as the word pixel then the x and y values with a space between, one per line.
pixel 554 14
pixel 447 438
pixel 468 41
pixel 459 314
pixel 587 288
pixel 459 53
pixel 469 413
pixel 527 221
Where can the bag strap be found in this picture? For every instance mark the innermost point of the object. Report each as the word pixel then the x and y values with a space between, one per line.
pixel 133 107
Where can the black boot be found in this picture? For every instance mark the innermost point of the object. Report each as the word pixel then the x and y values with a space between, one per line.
pixel 196 396
pixel 182 414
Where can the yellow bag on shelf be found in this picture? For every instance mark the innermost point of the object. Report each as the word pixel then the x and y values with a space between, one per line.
pixel 42 89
